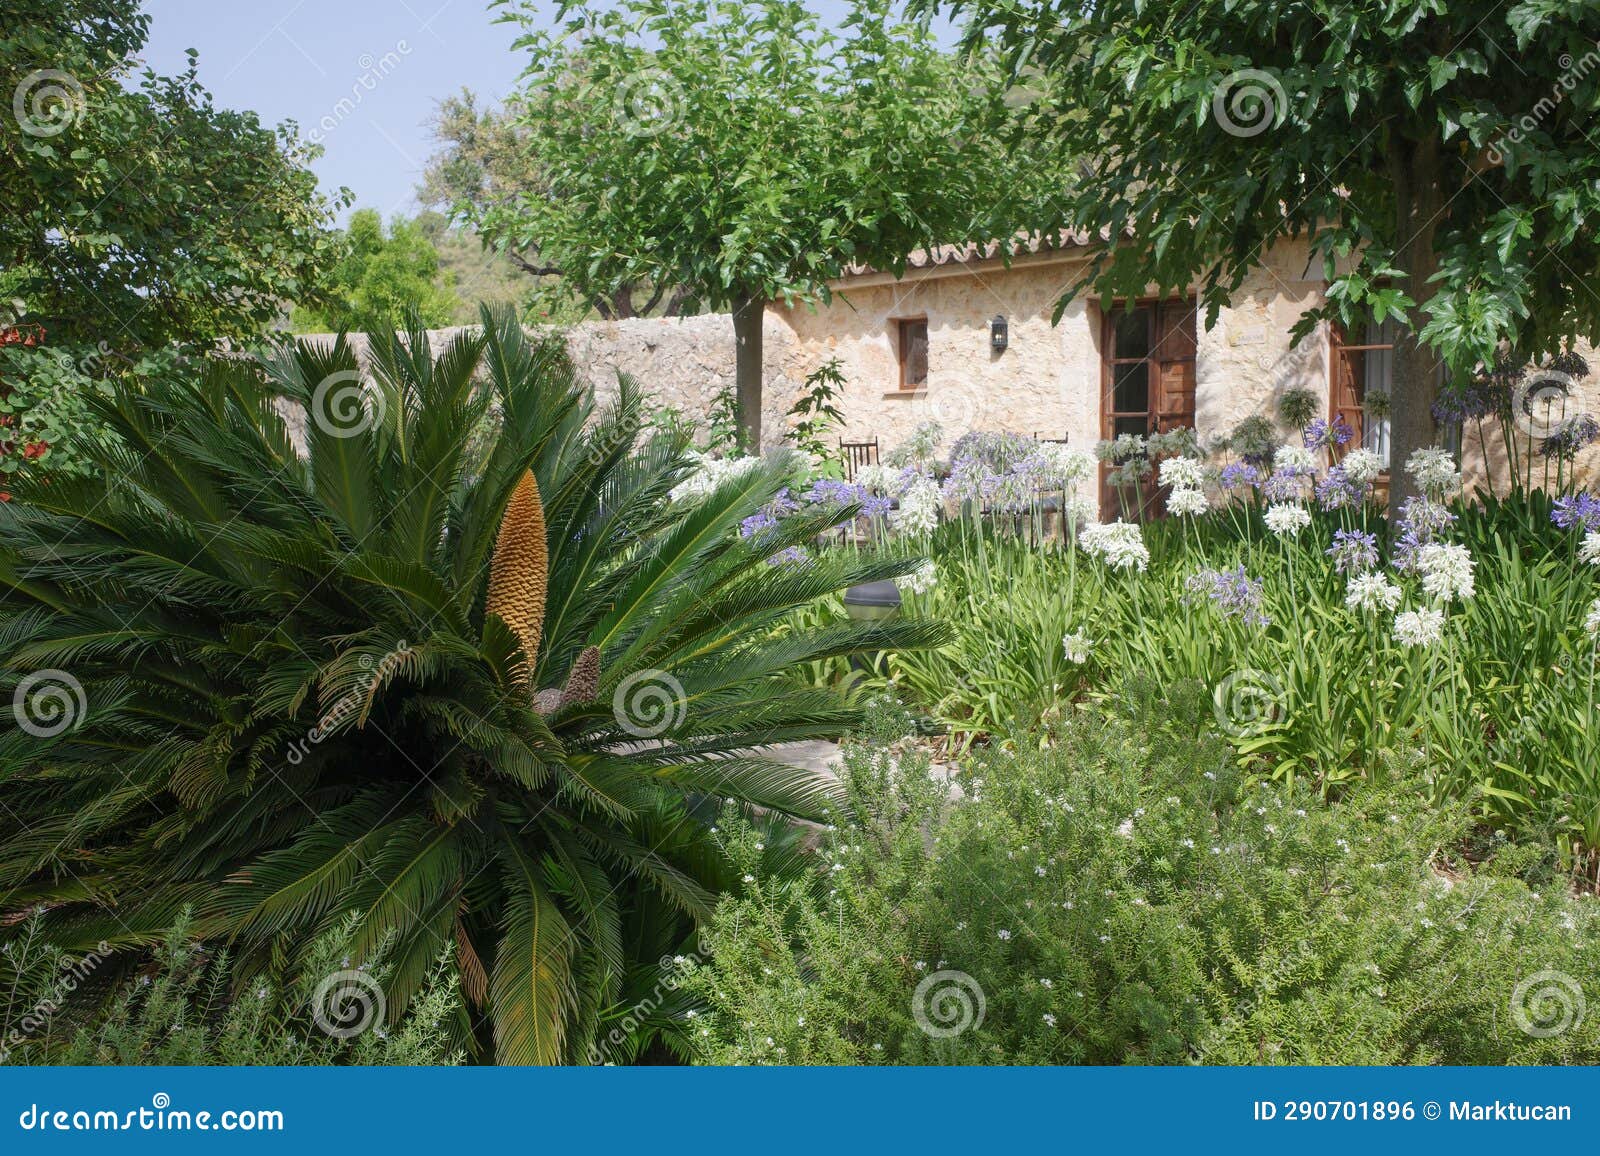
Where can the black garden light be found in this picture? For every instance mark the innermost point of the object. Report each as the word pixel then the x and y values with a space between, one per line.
pixel 872 600
pixel 998 334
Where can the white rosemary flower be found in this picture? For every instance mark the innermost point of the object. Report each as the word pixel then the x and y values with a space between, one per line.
pixel 1362 466
pixel 1294 460
pixel 1434 471
pixel 1592 623
pixel 1183 473
pixel 1187 502
pixel 1118 544
pixel 1287 518
pixel 921 580
pixel 919 510
pixel 1423 627
pixel 1446 570
pixel 1371 591
pixel 1076 646
pixel 1590 550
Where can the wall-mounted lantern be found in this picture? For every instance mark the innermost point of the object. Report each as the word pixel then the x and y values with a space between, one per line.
pixel 997 333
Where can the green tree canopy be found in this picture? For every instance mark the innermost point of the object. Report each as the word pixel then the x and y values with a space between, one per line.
pixel 381 275
pixel 1439 157
pixel 744 153
pixel 132 209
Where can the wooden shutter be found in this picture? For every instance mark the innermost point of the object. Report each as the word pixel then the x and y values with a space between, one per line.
pixel 1174 362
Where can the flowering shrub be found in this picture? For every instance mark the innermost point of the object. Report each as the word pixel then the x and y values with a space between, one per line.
pixel 1112 889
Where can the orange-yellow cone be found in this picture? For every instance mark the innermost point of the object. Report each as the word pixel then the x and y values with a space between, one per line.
pixel 519 572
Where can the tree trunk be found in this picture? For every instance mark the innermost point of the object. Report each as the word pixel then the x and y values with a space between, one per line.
pixel 1414 168
pixel 748 313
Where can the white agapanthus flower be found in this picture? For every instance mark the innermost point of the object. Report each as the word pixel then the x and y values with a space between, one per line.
pixel 1076 646
pixel 1371 591
pixel 1424 627
pixel 1294 459
pixel 1065 467
pixel 1592 623
pixel 1362 466
pixel 921 580
pixel 878 479
pixel 1590 550
pixel 1446 570
pixel 1187 503
pixel 709 474
pixel 1287 518
pixel 919 509
pixel 1183 473
pixel 1080 511
pixel 1434 470
pixel 1118 544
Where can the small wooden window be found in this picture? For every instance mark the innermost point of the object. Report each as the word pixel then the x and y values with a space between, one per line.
pixel 911 348
pixel 1366 363
pixel 1148 381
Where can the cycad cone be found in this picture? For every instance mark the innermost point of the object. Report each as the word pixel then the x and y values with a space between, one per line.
pixel 519 573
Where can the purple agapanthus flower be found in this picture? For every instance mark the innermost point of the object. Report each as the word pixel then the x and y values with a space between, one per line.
pixel 1233 592
pixel 1573 435
pixel 832 492
pixel 1353 551
pixel 1283 486
pixel 1236 474
pixel 1337 492
pixel 1322 433
pixel 757 523
pixel 1463 401
pixel 1579 512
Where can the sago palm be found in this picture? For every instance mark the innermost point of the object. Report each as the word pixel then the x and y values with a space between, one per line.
pixel 457 664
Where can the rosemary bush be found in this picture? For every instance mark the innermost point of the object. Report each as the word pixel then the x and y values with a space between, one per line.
pixel 1113 889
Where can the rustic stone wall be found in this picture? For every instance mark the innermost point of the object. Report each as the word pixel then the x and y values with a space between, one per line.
pixel 681 362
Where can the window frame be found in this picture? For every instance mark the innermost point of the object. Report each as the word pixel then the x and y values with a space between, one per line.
pixel 1337 348
pixel 903 328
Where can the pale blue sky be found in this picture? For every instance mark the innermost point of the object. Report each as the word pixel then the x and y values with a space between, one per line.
pixel 364 74
pixel 299 59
